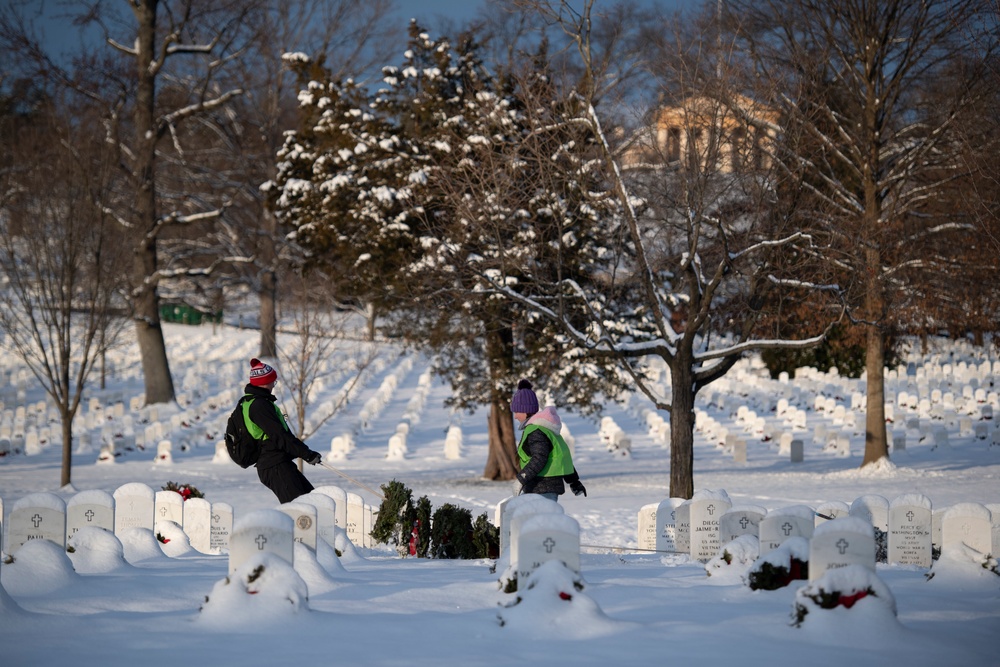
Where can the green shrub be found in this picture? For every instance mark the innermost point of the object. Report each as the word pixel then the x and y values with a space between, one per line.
pixel 486 537
pixel 451 532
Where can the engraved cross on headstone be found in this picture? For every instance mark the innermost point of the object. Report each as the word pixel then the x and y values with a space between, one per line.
pixel 842 546
pixel 37 519
pixel 909 516
pixel 711 510
pixel 261 541
pixel 744 522
pixel 786 528
pixel 549 544
pixel 163 511
pixel 90 515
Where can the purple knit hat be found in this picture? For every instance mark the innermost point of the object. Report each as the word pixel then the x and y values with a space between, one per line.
pixel 524 399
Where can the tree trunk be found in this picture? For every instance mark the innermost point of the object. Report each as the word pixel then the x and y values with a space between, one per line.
pixel 268 291
pixel 67 447
pixel 370 309
pixel 876 445
pixel 681 427
pixel 268 315
pixel 501 461
pixel 149 334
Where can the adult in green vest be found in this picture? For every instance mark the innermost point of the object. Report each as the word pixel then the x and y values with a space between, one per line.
pixel 546 462
pixel 278 445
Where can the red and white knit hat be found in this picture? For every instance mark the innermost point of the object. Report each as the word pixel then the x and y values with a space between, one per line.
pixel 261 374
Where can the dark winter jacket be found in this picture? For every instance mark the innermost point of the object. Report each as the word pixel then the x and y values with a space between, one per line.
pixel 538 446
pixel 281 445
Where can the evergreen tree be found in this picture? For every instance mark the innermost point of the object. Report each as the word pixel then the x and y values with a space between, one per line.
pixel 435 189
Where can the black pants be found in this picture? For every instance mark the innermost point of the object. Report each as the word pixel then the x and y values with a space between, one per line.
pixel 285 481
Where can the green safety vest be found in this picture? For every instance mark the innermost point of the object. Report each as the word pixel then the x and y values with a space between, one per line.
pixel 560 460
pixel 255 431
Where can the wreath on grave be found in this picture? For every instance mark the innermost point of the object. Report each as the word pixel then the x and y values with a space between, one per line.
pixel 186 490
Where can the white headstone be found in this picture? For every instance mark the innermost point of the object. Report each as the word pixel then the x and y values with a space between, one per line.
pixel 508 507
pixel 839 543
pixel 36 516
pixel 197 517
pixel 521 512
pixel 169 506
pixel 910 530
pixel 780 524
pixel 397 447
pixel 740 520
pixel 874 509
pixel 682 523
pixel 339 497
pixel 936 516
pixel 304 517
pixel 262 530
pixel 830 510
pixel 164 456
pixel 133 507
pixel 326 516
pixel 646 532
pixel 453 443
pixel 545 537
pixel 355 519
pixel 666 524
pixel 994 509
pixel 92 508
pixel 369 517
pixel 969 524
pixel 222 527
pixel 707 507
pixel 221 453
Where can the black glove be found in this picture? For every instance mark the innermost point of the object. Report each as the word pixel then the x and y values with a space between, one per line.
pixel 312 458
pixel 578 488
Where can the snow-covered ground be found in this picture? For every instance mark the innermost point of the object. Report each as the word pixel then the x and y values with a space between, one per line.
pixel 132 604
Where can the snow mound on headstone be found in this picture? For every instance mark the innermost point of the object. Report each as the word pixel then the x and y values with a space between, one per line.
pixel 348 552
pixel 312 572
pixel 734 560
pixel 264 590
pixel 551 603
pixel 780 567
pixel 140 544
pixel 173 540
pixel 850 602
pixel 96 551
pixel 39 567
pixel 328 558
pixel 962 567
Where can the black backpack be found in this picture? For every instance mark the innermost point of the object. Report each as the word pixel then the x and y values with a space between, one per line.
pixel 242 447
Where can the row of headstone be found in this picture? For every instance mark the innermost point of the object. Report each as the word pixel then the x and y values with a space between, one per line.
pixel 309 519
pixel 535 530
pixel 47 516
pixel 208 525
pixel 453 443
pixel 908 525
pixel 374 406
pixel 614 438
pixel 418 399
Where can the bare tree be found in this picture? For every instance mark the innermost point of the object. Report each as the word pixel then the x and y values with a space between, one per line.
pixel 307 360
pixel 686 287
pixel 852 80
pixel 58 252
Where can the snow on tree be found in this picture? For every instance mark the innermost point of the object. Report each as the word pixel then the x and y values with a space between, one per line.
pixel 397 188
